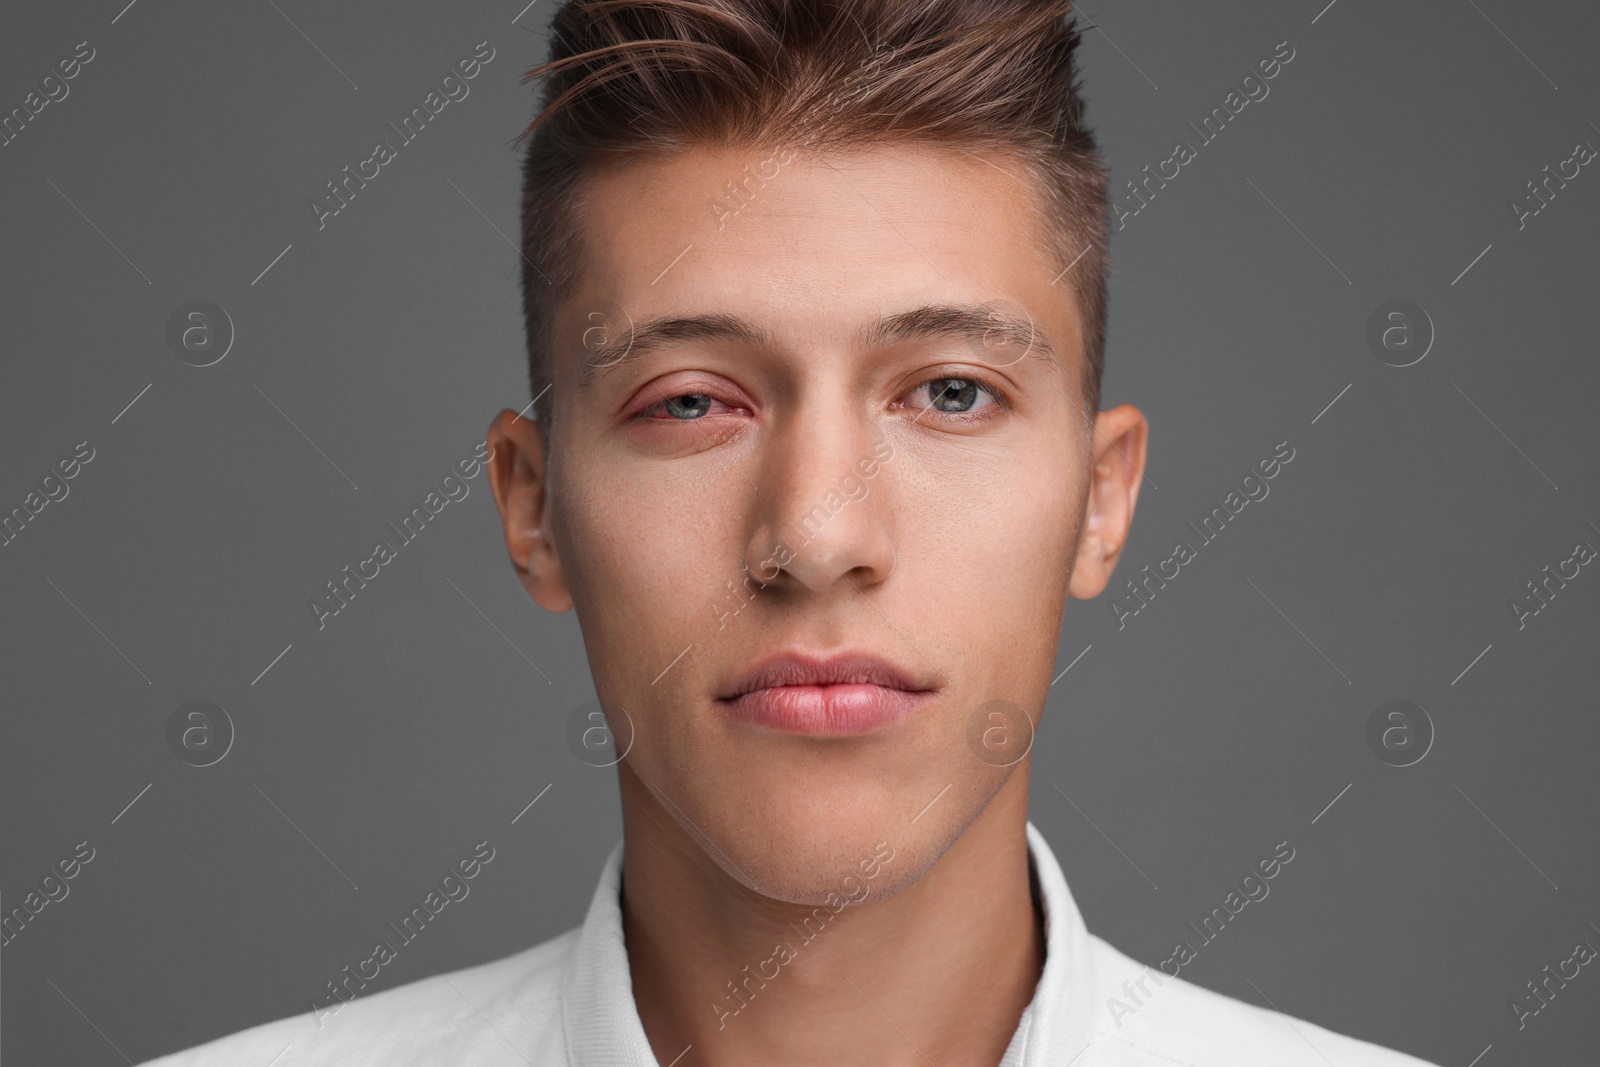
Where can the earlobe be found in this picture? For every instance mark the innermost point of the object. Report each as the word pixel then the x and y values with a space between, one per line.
pixel 1116 472
pixel 517 476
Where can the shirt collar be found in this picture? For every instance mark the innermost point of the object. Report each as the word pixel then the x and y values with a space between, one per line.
pixel 1056 1026
pixel 601 1021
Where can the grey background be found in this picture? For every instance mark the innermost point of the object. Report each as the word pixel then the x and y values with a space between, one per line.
pixel 1224 718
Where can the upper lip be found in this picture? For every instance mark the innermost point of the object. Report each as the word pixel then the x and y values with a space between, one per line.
pixel 798 668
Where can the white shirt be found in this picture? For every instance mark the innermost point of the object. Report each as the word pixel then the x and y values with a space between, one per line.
pixel 570 1001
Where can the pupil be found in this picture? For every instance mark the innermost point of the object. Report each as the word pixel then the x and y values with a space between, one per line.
pixel 954 394
pixel 688 406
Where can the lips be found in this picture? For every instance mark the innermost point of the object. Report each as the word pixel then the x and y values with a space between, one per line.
pixel 839 696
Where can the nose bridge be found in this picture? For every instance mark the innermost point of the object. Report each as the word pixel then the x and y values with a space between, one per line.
pixel 821 517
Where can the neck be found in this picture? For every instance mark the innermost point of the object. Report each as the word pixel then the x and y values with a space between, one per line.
pixel 939 972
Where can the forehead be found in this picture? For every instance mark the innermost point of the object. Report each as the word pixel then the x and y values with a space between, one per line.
pixel 814 246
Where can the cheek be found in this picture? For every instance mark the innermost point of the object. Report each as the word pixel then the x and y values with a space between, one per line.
pixel 643 546
pixel 1030 561
pixel 985 571
pixel 1007 530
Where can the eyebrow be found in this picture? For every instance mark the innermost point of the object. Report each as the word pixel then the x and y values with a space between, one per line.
pixel 972 321
pixel 661 333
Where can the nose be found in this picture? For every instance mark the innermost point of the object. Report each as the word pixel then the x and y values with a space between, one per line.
pixel 825 514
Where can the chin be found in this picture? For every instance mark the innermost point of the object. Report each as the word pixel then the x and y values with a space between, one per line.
pixel 801 819
pixel 818 838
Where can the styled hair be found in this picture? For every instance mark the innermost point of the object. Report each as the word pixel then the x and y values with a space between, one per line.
pixel 631 78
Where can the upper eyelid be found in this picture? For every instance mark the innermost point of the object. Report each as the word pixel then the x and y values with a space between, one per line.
pixel 654 395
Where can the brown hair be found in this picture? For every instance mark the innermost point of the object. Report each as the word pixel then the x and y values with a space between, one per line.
pixel 628 78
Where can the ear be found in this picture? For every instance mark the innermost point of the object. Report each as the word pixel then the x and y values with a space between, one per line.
pixel 1120 438
pixel 517 476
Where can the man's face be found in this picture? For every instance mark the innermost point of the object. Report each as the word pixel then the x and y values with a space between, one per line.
pixel 814 468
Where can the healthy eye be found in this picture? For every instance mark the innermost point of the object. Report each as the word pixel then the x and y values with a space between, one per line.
pixel 954 396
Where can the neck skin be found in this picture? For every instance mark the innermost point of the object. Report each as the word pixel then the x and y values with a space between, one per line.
pixel 938 973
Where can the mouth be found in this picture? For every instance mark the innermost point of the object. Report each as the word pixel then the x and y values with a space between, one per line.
pixel 838 696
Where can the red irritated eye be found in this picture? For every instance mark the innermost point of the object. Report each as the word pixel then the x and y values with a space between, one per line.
pixel 684 407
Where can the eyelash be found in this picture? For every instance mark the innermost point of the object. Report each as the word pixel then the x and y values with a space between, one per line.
pixel 1002 403
pixel 648 414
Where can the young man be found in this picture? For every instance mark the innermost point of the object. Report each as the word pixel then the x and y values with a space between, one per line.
pixel 816 303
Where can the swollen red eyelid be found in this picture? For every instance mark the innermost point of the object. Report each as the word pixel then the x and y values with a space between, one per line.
pixel 689 384
pixel 656 411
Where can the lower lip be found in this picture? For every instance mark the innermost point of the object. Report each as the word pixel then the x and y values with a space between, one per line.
pixel 827 710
